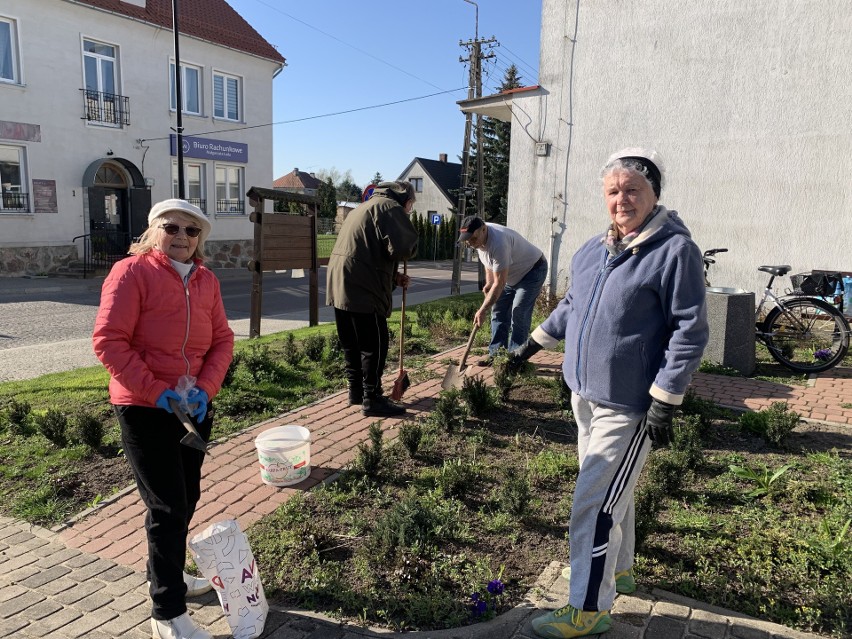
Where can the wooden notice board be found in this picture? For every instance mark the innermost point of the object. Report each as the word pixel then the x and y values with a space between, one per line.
pixel 283 241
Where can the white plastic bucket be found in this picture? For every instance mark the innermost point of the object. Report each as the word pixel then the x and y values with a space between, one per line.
pixel 284 454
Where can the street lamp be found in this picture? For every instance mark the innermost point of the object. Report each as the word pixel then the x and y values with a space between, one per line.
pixel 476 26
pixel 179 101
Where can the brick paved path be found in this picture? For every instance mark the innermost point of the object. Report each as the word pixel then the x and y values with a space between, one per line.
pixel 86 578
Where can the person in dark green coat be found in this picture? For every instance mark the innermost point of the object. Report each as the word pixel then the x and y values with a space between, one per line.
pixel 363 271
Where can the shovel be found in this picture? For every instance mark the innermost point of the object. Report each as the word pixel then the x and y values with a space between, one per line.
pixel 192 438
pixel 455 374
pixel 402 382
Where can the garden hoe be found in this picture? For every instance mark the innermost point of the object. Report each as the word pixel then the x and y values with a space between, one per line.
pixel 456 374
pixel 402 382
pixel 192 438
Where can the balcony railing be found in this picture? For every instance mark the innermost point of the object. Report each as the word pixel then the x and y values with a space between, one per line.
pixel 14 201
pixel 232 207
pixel 199 202
pixel 106 108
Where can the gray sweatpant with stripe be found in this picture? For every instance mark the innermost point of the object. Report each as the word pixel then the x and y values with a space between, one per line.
pixel 613 446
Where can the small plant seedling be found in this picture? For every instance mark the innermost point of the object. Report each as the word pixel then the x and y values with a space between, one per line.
pixel 764 478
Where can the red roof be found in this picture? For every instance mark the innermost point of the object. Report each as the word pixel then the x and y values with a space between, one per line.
pixel 211 20
pixel 297 179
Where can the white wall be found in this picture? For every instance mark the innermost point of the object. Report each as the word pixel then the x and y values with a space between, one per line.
pixel 51 33
pixel 748 103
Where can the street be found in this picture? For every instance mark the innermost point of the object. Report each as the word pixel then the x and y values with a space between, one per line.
pixel 46 324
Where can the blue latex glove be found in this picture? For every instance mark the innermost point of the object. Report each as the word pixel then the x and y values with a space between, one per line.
pixel 163 400
pixel 198 397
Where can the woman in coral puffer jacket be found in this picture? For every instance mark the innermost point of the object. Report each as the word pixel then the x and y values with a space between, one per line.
pixel 162 333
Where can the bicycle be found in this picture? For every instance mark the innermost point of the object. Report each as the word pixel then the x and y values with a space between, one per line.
pixel 803 333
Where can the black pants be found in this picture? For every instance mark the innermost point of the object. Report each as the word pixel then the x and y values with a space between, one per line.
pixel 364 339
pixel 168 476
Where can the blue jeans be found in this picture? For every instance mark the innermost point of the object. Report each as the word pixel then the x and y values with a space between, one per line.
pixel 512 313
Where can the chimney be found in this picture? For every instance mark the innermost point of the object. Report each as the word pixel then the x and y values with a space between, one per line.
pixel 296 171
pixel 442 157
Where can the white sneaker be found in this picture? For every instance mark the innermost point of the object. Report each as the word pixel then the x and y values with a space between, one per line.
pixel 196 586
pixel 178 628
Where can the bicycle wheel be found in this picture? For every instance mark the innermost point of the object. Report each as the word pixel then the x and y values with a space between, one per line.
pixel 807 335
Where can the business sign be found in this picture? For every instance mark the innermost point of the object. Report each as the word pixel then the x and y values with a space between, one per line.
pixel 436 218
pixel 207 149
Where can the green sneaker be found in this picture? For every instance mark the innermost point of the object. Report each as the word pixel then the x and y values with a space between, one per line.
pixel 625 584
pixel 569 622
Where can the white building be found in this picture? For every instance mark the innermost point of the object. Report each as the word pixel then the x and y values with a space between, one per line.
pixel 748 103
pixel 87 106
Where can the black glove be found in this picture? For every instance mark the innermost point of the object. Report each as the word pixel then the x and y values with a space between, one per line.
pixel 659 423
pixel 522 354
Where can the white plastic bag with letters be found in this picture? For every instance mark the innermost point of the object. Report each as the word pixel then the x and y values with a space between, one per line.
pixel 221 551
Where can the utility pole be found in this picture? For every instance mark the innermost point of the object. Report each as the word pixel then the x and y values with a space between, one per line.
pixel 178 103
pixel 474 90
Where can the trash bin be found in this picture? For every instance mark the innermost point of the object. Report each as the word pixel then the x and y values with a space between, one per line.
pixel 730 314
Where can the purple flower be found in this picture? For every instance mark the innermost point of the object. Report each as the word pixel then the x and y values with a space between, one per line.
pixel 495 587
pixel 823 354
pixel 479 605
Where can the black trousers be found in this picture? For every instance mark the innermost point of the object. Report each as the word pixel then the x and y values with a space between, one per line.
pixel 168 476
pixel 364 339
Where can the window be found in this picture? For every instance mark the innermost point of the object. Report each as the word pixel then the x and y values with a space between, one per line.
pixel 100 71
pixel 193 177
pixel 418 184
pixel 226 97
pixel 190 88
pixel 229 189
pixel 8 51
pixel 13 195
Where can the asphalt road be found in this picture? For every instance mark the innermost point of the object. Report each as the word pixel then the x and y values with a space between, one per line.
pixel 46 324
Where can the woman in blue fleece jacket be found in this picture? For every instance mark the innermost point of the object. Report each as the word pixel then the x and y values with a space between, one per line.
pixel 634 324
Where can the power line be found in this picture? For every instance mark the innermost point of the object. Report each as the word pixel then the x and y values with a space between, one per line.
pixel 521 60
pixel 314 117
pixel 506 62
pixel 344 43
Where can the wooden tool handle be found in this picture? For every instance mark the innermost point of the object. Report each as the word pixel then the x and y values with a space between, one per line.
pixel 467 348
pixel 402 318
pixel 183 417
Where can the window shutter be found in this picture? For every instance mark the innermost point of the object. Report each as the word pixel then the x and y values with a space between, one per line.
pixel 218 96
pixel 233 99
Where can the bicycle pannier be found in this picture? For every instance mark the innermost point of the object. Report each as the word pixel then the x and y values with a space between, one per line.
pixel 821 284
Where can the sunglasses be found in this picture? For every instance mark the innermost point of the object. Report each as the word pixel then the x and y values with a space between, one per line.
pixel 174 229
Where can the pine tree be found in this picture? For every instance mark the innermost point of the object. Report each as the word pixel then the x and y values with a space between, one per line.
pixel 496 139
pixel 328 199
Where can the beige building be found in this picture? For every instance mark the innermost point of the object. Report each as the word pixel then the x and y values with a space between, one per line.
pixel 87 110
pixel 436 185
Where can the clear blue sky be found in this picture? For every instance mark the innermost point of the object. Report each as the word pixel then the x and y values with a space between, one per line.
pixel 344 55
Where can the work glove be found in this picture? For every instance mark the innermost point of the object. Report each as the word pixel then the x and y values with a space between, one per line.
pixel 659 423
pixel 163 400
pixel 521 354
pixel 198 398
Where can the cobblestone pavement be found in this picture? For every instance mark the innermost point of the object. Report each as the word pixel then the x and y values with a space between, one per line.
pixel 85 578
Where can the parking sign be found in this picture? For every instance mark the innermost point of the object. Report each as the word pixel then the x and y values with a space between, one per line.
pixel 436 218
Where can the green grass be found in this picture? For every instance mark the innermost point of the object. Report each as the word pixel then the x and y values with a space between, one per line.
pixel 44 484
pixel 325 244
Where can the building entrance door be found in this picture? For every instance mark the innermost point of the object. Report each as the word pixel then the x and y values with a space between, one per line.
pixel 109 218
pixel 116 205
